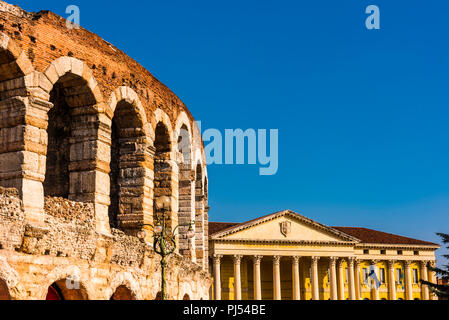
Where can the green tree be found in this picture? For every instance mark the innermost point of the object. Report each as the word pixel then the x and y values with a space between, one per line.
pixel 442 291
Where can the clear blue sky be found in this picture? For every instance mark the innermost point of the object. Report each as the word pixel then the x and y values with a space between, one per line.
pixel 363 115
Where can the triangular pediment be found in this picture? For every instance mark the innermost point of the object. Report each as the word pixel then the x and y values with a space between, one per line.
pixel 284 226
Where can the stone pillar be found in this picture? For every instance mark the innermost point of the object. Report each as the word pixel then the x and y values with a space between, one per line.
pixel 295 278
pixel 424 277
pixel 341 280
pixel 351 278
pixel 237 278
pixel 358 281
pixel 375 292
pixel 333 278
pixel 217 276
pixel 187 212
pixel 23 150
pixel 257 278
pixel 277 278
pixel 433 278
pixel 408 280
pixel 391 279
pixel 315 282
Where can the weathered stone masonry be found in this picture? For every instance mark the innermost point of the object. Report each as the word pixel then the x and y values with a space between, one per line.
pixel 88 139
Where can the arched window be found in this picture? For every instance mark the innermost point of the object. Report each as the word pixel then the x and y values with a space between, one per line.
pixel 4 292
pixel 66 290
pixel 200 222
pixel 163 171
pixel 127 176
pixel 72 134
pixel 186 213
pixel 123 293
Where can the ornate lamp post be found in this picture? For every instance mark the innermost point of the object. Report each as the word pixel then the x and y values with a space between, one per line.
pixel 164 240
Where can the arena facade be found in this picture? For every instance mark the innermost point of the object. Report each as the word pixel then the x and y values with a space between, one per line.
pixel 88 140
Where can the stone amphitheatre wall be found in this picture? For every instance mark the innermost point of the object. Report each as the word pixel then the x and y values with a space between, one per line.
pixel 88 140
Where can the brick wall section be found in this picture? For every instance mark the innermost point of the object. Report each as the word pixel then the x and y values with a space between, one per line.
pixel 44 37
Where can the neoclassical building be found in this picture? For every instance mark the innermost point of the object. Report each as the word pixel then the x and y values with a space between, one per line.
pixel 286 256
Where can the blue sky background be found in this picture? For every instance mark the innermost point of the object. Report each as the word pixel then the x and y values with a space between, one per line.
pixel 362 115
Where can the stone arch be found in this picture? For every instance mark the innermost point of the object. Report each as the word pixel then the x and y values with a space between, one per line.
pixel 165 166
pixel 63 66
pixel 9 279
pixel 125 287
pixel 76 164
pixel 185 291
pixel 130 163
pixel 14 64
pixel 186 186
pixel 19 84
pixel 69 281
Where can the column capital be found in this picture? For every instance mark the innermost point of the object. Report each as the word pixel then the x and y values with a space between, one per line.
pixel 391 264
pixel 432 264
pixel 424 263
pixel 295 259
pixel 351 261
pixel 374 262
pixel 276 260
pixel 237 259
pixel 407 264
pixel 217 258
pixel 257 259
pixel 315 259
pixel 358 262
pixel 340 263
pixel 333 261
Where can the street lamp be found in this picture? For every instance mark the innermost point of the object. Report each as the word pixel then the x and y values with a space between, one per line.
pixel 164 240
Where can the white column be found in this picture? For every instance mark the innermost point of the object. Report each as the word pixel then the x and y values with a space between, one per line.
pixel 351 278
pixel 257 279
pixel 358 281
pixel 333 277
pixel 341 280
pixel 295 277
pixel 237 278
pixel 424 288
pixel 217 276
pixel 315 282
pixel 375 292
pixel 391 279
pixel 277 278
pixel 408 280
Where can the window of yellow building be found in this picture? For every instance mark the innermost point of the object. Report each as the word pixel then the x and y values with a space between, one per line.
pixel 415 276
pixel 382 276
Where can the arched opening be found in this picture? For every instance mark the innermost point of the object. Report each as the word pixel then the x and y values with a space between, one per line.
pixel 66 290
pixel 158 296
pixel 186 213
pixel 163 171
pixel 9 68
pixel 200 222
pixel 71 139
pixel 123 293
pixel 186 297
pixel 127 176
pixel 4 291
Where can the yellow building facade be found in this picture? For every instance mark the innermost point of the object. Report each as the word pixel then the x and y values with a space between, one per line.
pixel 286 256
